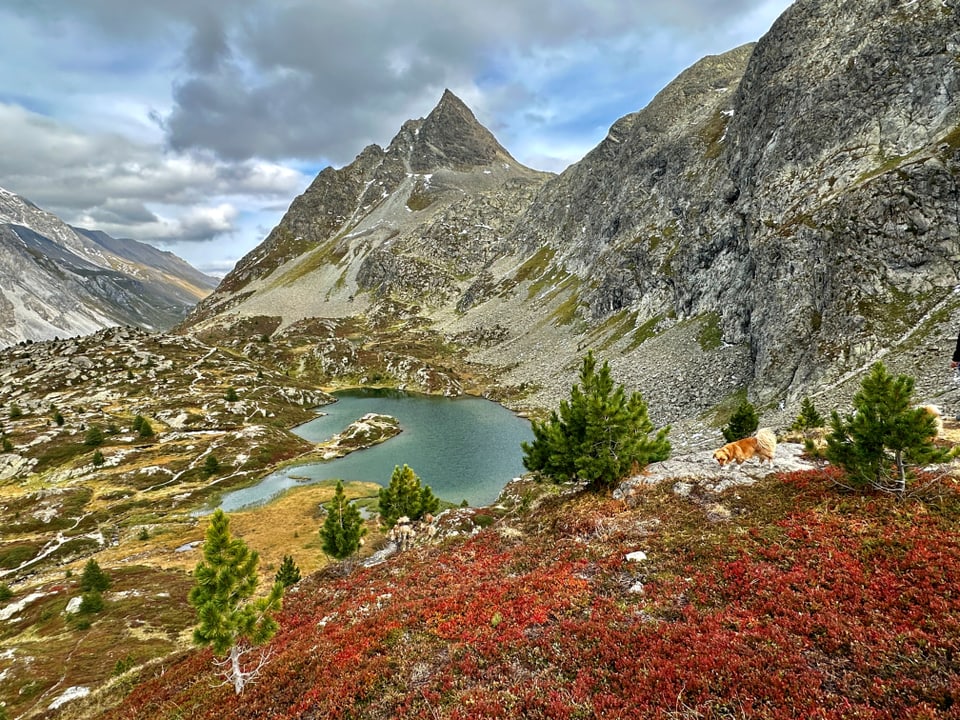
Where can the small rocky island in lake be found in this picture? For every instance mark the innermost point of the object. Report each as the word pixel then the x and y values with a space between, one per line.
pixel 369 430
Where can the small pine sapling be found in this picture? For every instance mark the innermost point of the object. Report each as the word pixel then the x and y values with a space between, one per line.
pixel 211 466
pixel 93 436
pixel 231 620
pixel 146 429
pixel 343 528
pixel 809 418
pixel 94 578
pixel 599 435
pixel 810 422
pixel 404 496
pixel 743 423
pixel 289 573
pixel 885 438
pixel 91 602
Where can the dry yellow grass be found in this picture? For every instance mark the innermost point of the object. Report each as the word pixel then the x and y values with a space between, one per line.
pixel 290 525
pixel 951 431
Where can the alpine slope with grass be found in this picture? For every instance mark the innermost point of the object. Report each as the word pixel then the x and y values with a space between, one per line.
pixel 804 603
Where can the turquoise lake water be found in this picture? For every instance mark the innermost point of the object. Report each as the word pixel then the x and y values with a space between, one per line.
pixel 464 448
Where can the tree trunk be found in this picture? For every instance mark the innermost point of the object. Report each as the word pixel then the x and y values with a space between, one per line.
pixel 236 674
pixel 901 474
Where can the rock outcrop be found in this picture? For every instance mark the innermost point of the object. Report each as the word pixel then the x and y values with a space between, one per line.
pixel 367 431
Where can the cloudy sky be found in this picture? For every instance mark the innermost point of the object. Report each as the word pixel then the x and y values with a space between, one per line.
pixel 192 124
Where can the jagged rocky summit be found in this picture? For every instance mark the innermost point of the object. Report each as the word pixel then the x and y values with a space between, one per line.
pixel 61 281
pixel 409 220
pixel 778 218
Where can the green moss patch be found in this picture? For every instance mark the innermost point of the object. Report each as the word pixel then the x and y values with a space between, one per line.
pixel 536 265
pixel 710 335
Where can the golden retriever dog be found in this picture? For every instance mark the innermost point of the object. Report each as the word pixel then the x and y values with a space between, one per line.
pixel 937 418
pixel 762 445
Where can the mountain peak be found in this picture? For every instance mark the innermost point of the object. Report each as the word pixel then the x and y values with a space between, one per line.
pixel 450 103
pixel 451 136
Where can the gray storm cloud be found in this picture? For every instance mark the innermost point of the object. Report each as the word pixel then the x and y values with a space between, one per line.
pixel 199 121
pixel 302 78
pixel 309 79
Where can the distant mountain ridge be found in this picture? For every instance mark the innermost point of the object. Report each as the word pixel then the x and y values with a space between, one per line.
pixel 778 218
pixel 145 254
pixel 57 280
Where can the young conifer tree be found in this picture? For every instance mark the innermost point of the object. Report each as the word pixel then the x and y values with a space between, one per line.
pixel 93 436
pixel 211 466
pixel 343 528
pixel 231 620
pixel 599 435
pixel 809 417
pixel 94 578
pixel 405 497
pixel 429 503
pixel 743 423
pixel 885 438
pixel 288 573
pixel 146 429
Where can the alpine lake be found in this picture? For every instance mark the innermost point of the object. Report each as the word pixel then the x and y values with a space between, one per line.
pixel 464 448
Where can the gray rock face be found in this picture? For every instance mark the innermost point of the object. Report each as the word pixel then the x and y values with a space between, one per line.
pixel 56 280
pixel 847 180
pixel 632 218
pixel 451 137
pixel 776 219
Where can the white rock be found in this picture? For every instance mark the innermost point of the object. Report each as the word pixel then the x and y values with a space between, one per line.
pixel 16 608
pixel 71 693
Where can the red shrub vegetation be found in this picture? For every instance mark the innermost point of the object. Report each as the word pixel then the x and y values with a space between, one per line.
pixel 844 607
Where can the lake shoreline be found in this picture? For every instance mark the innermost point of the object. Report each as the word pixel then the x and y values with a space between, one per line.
pixel 466 448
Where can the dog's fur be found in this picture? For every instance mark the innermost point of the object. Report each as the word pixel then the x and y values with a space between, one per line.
pixel 937 418
pixel 763 445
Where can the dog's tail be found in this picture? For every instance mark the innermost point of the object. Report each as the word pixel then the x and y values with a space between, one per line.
pixel 767 441
pixel 937 418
